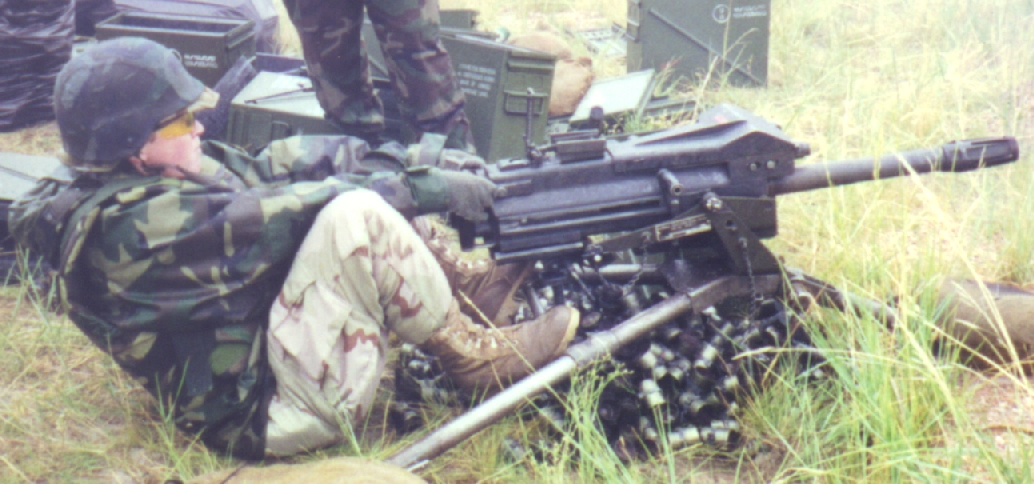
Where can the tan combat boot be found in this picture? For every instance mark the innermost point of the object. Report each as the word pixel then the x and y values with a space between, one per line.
pixel 488 286
pixel 480 358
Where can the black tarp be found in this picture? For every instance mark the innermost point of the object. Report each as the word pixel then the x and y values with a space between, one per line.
pixel 35 41
pixel 89 13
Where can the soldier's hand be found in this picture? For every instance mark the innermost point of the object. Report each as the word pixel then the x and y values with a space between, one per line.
pixel 459 160
pixel 431 151
pixel 470 196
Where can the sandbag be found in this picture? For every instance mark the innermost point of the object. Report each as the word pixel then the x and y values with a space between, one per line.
pixel 261 12
pixel 571 77
pixel 992 321
pixel 543 42
pixel 571 80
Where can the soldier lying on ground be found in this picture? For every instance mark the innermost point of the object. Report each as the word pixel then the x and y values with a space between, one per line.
pixel 254 296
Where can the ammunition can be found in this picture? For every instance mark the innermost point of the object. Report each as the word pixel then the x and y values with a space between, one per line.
pixel 496 78
pixel 501 82
pixel 208 46
pixel 274 106
pixel 692 36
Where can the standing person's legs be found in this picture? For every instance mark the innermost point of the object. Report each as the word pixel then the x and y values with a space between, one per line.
pixel 331 35
pixel 360 272
pixel 422 72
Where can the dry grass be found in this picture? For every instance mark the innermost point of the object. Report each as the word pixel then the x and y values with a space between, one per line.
pixel 68 414
pixel 43 139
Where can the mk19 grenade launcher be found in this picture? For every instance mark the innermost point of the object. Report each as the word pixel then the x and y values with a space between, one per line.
pixel 647 235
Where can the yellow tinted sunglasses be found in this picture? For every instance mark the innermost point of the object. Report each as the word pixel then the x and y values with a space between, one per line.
pixel 177 126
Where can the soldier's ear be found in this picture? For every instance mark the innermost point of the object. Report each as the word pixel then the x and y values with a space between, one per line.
pixel 139 164
pixel 139 160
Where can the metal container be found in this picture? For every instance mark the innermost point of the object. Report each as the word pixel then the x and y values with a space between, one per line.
pixel 620 97
pixel 208 46
pixel 499 80
pixel 274 106
pixel 692 37
pixel 495 77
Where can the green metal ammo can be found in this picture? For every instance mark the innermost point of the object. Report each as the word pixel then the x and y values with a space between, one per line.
pixel 500 81
pixel 274 106
pixel 208 46
pixel 694 38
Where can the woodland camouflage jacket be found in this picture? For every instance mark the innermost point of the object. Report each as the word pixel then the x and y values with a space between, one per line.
pixel 174 278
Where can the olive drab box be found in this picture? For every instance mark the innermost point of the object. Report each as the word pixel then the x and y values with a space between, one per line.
pixel 495 78
pixel 274 106
pixel 722 40
pixel 208 46
pixel 501 82
pixel 280 102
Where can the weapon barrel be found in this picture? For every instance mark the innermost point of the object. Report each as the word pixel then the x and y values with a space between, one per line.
pixel 957 156
pixel 505 402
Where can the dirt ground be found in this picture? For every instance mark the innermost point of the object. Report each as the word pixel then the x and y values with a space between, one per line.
pixel 1004 406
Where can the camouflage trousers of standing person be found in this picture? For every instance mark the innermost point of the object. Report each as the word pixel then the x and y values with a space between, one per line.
pixel 421 70
pixel 361 272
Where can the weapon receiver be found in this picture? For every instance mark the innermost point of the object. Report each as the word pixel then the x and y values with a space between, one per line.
pixel 584 185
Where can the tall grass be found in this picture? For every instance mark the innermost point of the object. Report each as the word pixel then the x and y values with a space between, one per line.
pixel 852 79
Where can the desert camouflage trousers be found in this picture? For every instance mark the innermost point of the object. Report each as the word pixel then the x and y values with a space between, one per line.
pixel 361 272
pixel 421 71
